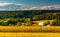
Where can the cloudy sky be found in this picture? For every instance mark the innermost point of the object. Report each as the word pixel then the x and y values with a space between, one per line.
pixel 29 4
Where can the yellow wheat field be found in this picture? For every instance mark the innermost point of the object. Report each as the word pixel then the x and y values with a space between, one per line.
pixel 30 29
pixel 50 29
pixel 29 34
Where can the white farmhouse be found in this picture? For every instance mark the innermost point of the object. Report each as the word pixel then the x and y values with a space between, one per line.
pixel 42 23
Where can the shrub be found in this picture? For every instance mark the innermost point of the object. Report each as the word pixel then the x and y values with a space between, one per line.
pixel 19 24
pixel 29 23
pixel 56 23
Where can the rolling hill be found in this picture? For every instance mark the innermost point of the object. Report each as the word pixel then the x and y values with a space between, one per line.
pixel 25 13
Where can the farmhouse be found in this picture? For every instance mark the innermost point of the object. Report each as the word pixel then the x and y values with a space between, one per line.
pixel 42 23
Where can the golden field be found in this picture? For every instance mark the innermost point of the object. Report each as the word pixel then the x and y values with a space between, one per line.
pixel 37 22
pixel 42 21
pixel 30 29
pixel 29 34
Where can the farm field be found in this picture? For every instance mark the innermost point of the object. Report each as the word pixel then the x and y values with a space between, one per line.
pixel 30 29
pixel 37 22
pixel 7 34
pixel 42 21
pixel 33 31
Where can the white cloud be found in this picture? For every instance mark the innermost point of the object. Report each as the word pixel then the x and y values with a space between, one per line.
pixel 2 9
pixel 4 4
pixel 52 7
pixel 30 8
pixel 10 6
pixel 15 6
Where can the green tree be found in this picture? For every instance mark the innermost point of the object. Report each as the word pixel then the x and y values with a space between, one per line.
pixel 19 24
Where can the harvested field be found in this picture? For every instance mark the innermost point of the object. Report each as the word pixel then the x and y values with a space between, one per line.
pixel 29 34
pixel 29 29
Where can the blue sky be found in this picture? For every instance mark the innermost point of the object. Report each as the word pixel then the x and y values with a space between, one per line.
pixel 28 3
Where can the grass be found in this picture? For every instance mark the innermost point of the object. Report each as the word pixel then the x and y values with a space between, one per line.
pixel 29 34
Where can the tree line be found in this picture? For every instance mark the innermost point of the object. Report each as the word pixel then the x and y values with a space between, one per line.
pixel 15 22
pixel 18 18
pixel 50 16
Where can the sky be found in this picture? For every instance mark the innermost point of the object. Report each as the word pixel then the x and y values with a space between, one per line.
pixel 29 4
